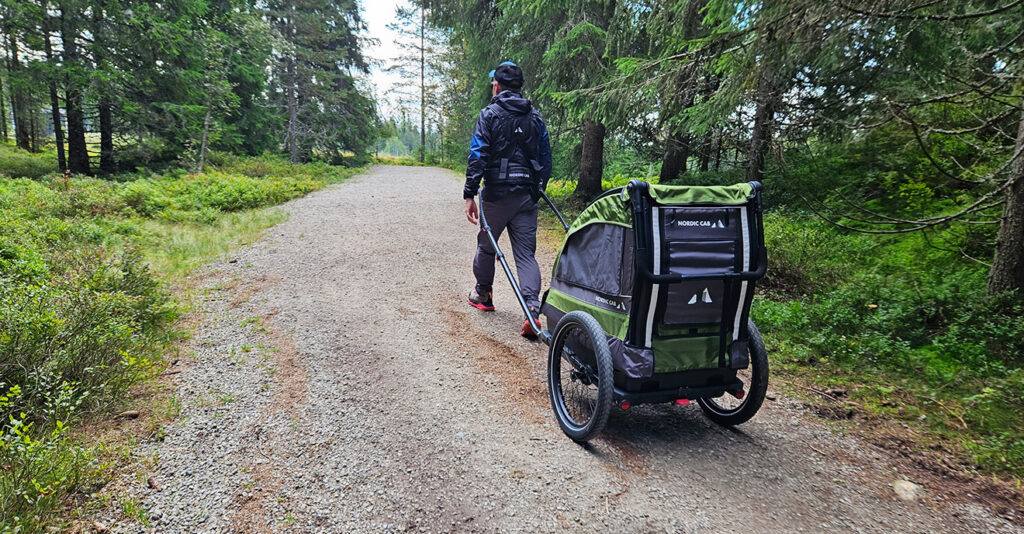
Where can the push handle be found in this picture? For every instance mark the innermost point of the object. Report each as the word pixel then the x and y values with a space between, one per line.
pixel 675 278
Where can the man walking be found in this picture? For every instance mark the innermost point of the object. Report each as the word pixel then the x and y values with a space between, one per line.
pixel 510 151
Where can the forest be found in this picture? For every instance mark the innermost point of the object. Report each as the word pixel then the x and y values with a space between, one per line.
pixel 141 140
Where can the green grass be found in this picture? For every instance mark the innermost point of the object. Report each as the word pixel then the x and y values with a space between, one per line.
pixel 134 510
pixel 88 269
pixel 174 250
pixel 408 161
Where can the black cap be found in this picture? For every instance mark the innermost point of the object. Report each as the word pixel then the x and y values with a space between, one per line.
pixel 508 75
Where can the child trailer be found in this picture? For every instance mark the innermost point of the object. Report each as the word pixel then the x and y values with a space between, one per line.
pixel 651 297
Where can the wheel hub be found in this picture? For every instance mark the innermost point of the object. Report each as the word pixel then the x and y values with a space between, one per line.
pixel 579 376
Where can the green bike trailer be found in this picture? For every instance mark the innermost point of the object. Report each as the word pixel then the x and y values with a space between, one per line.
pixel 649 302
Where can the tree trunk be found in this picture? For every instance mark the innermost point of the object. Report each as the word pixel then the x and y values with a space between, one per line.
pixel 22 128
pixel 718 151
pixel 107 165
pixel 423 87
pixel 33 131
pixel 764 122
pixel 293 112
pixel 1007 271
pixel 704 156
pixel 591 161
pixel 680 96
pixel 677 151
pixel 104 105
pixel 78 151
pixel 205 141
pixel 58 127
pixel 3 113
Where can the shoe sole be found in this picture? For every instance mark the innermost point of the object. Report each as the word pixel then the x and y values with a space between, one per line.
pixel 481 307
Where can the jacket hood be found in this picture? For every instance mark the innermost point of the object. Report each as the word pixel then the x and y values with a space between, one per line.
pixel 513 102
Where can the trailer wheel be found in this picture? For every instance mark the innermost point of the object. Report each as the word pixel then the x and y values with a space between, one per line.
pixel 580 376
pixel 727 410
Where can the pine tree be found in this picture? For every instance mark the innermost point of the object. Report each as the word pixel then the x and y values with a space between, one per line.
pixel 327 113
pixel 421 47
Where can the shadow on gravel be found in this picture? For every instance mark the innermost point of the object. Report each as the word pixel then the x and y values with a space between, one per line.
pixel 644 434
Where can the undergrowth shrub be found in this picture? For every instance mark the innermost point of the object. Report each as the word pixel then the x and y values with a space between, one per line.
pixel 405 161
pixel 806 255
pixel 901 313
pixel 40 470
pixel 17 163
pixel 79 326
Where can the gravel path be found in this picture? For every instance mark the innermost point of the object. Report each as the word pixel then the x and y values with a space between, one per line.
pixel 340 384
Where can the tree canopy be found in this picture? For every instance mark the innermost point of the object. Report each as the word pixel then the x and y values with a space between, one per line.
pixel 167 82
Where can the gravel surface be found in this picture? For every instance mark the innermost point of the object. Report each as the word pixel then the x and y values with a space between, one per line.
pixel 341 384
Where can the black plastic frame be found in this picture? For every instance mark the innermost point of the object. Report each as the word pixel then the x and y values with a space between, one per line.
pixel 641 203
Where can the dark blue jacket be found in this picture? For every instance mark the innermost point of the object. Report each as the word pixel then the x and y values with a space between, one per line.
pixel 507 163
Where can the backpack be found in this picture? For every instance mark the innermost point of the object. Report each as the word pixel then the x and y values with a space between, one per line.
pixel 519 131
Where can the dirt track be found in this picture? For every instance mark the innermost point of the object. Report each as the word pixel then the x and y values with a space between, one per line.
pixel 340 384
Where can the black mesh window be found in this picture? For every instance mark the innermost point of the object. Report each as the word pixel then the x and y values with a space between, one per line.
pixel 593 259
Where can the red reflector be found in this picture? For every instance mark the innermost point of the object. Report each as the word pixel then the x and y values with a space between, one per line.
pixel 682 402
pixel 739 394
pixel 625 405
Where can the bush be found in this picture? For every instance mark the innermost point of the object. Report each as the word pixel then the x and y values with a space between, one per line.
pixel 40 471
pixel 405 161
pixel 806 255
pixel 17 163
pixel 901 313
pixel 79 325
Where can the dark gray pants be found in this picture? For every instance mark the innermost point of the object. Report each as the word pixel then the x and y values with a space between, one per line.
pixel 517 213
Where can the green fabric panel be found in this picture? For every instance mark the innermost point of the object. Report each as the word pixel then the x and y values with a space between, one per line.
pixel 613 323
pixel 611 209
pixel 668 330
pixel 685 353
pixel 721 195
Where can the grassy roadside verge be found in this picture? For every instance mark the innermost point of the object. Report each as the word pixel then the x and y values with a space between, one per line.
pixel 92 296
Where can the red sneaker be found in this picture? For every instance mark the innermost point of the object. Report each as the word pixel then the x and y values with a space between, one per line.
pixel 482 301
pixel 528 332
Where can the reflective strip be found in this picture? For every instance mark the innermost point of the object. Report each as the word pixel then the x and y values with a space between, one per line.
pixel 746 267
pixel 656 269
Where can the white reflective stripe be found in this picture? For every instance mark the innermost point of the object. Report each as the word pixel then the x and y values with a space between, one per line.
pixel 746 238
pixel 746 267
pixel 656 269
pixel 739 311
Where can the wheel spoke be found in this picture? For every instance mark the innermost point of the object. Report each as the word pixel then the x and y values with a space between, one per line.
pixel 580 398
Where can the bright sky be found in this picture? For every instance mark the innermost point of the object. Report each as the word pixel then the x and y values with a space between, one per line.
pixel 378 14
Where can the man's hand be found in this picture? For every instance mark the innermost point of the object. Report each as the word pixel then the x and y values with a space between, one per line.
pixel 472 215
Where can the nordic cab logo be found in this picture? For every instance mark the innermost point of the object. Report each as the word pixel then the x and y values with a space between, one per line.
pixel 704 297
pixel 609 302
pixel 704 223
